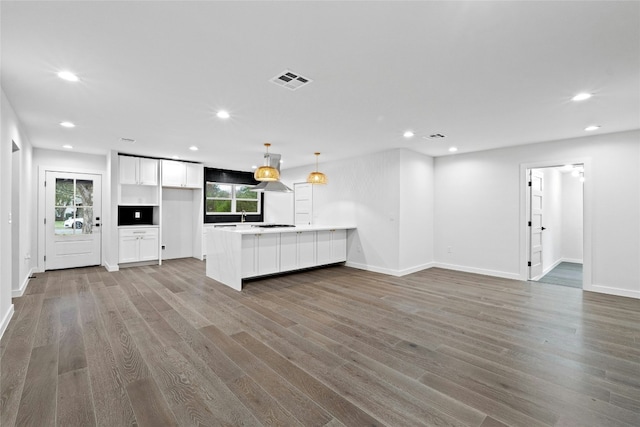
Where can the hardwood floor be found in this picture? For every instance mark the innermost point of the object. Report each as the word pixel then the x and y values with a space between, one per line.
pixel 166 346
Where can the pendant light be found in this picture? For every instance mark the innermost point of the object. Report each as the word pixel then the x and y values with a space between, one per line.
pixel 267 172
pixel 317 177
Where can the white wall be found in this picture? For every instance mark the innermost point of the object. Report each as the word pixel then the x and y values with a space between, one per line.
pixel 72 162
pixel 416 212
pixel 551 218
pixel 393 235
pixel 14 255
pixel 479 206
pixel 572 221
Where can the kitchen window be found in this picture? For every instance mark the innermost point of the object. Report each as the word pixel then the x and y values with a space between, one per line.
pixel 231 199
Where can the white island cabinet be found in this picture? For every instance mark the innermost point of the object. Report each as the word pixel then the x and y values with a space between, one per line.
pixel 234 254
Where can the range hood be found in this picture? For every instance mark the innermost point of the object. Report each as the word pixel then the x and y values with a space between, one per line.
pixel 273 160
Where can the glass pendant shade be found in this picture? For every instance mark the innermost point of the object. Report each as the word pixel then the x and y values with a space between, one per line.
pixel 266 172
pixel 317 177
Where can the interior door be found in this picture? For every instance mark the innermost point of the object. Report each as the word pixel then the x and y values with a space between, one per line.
pixel 536 179
pixel 303 203
pixel 72 220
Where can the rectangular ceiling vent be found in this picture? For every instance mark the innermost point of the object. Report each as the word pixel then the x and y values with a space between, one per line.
pixel 434 136
pixel 290 80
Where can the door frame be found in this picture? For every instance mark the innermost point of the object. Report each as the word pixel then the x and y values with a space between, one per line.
pixel 587 212
pixel 41 230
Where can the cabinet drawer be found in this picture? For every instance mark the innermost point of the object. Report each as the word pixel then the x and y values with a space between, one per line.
pixel 132 232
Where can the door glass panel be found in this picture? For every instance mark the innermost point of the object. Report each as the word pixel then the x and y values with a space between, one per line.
pixel 73 207
pixel 84 220
pixel 84 192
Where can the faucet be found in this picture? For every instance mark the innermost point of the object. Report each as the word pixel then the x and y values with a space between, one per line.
pixel 243 217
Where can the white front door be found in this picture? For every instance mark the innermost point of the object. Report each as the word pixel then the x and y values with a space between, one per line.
pixel 73 203
pixel 536 179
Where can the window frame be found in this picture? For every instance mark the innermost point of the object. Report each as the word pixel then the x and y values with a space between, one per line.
pixel 233 199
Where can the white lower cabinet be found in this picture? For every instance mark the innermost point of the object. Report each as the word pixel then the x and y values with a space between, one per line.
pixel 297 250
pixel 270 253
pixel 331 246
pixel 260 254
pixel 137 244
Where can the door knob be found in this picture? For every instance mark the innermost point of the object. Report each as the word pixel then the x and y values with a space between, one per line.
pixel 543 228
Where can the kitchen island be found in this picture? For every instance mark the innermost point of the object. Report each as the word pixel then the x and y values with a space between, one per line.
pixel 243 251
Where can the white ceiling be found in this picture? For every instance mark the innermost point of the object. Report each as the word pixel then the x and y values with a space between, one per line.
pixel 485 74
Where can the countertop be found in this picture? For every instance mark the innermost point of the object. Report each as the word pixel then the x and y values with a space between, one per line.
pixel 258 230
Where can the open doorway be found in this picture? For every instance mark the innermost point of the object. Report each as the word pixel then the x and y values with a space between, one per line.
pixel 555 224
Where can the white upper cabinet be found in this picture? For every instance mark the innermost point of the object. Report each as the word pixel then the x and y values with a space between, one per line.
pixel 148 172
pixel 195 175
pixel 138 171
pixel 138 181
pixel 128 170
pixel 181 174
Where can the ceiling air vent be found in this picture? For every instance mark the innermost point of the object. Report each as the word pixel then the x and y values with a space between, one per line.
pixel 129 140
pixel 434 136
pixel 290 80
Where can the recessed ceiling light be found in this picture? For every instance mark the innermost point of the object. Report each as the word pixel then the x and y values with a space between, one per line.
pixel 575 173
pixel 193 148
pixel 67 124
pixel 453 149
pixel 567 167
pixel 281 160
pixel 222 114
pixel 408 134
pixel 67 146
pixel 254 167
pixel 68 76
pixel 581 96
pixel 592 128
pixel 175 157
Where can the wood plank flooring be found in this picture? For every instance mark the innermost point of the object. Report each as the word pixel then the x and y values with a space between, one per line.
pixel 166 346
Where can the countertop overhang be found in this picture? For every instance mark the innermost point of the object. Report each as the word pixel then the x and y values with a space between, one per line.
pixel 258 230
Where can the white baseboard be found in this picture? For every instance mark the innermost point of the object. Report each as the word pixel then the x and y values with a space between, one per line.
pixel 111 268
pixel 495 273
pixel 389 271
pixel 416 268
pixel 612 291
pixel 17 293
pixel 373 268
pixel 5 320
pixel 573 260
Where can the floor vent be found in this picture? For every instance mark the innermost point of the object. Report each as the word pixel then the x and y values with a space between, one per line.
pixel 290 80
